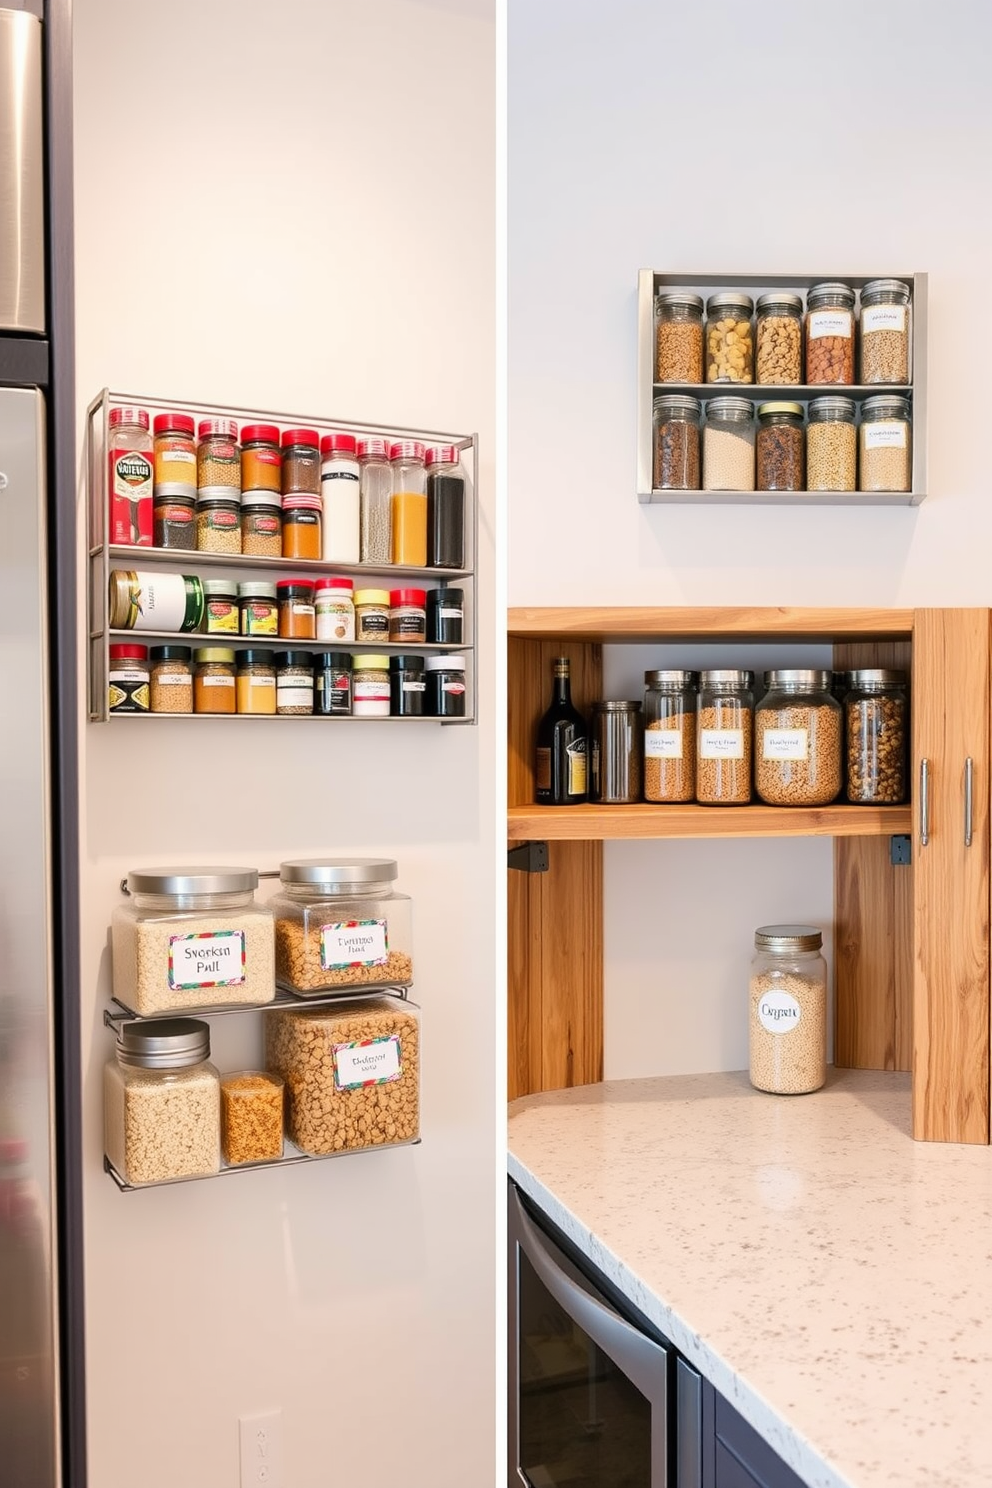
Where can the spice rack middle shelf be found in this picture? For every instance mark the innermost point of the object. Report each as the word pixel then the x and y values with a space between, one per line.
pixel 592 823
pixel 236 641
pixel 376 575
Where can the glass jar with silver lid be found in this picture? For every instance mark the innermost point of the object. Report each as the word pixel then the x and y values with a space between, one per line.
pixel 678 337
pixel 676 443
pixel 670 735
pixel 341 924
pixel 778 337
pixel 885 331
pixel 831 445
pixel 615 753
pixel 885 444
pixel 830 333
pixel 161 1103
pixel 729 343
pixel 724 737
pixel 728 445
pixel 797 739
pixel 787 1023
pixel 876 719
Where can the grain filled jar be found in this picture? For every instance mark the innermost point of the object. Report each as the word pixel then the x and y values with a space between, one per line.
pixel 729 345
pixel 615 752
pixel 408 507
pixel 297 616
pixel 407 687
pixel 371 614
pixel 408 616
pixel 678 337
pixel 876 726
pixel 797 739
pixel 370 692
pixel 175 455
pixel 670 735
pixel 334 602
pixel 676 443
pixel 728 445
pixel 332 683
pixel 256 682
pixel 445 616
pixel 161 1103
pixel 261 524
pixel 258 607
pixel 171 684
pixel 780 448
pixel 218 524
pixel 724 737
pixel 251 1117
pixel 261 459
pixel 885 331
pixel 192 938
pixel 787 1026
pixel 128 679
pixel 213 680
pixel 885 445
pixel 301 527
pixel 339 924
pixel 830 333
pixel 301 463
pixel 375 492
pixel 218 458
pixel 220 607
pixel 831 445
pixel 294 682
pixel 778 339
pixel 446 689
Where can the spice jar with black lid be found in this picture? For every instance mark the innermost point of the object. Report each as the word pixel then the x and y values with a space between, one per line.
pixel 445 686
pixel 407 686
pixel 332 682
pixel 171 688
pixel 294 682
pixel 445 616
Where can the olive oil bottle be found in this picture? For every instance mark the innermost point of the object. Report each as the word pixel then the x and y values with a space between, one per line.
pixel 561 746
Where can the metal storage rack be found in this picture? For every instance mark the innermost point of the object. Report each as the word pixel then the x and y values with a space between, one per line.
pixel 651 282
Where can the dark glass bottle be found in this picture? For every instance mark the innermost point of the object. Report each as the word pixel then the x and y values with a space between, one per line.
pixel 561 746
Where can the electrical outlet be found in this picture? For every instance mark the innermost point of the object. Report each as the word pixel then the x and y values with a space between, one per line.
pixel 261 1450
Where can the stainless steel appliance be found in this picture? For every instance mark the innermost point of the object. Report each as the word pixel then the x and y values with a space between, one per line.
pixel 22 174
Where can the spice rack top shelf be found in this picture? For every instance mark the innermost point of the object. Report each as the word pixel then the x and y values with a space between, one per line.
pixel 607 823
pixel 630 623
pixel 279 567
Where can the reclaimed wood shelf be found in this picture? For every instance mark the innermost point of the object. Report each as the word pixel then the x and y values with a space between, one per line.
pixel 607 823
pixel 601 623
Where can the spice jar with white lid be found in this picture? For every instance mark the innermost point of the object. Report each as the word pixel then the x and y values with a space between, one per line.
pixel 885 331
pixel 339 483
pixel 192 938
pixel 830 333
pixel 787 1027
pixel 261 524
pixel 340 924
pixel 161 1103
pixel 446 691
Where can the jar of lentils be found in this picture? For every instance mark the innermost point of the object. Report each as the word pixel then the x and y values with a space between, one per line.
pixel 218 458
pixel 778 337
pixel 885 331
pixel 676 443
pixel 678 338
pixel 729 345
pixel 831 445
pixel 787 1028
pixel 797 739
pixel 780 447
pixel 670 735
pixel 218 523
pixel 876 726
pixel 886 450
pixel 261 524
pixel 724 738
pixel 171 684
pixel 728 445
pixel 830 333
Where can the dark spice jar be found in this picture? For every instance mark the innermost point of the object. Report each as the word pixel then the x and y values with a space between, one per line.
pixel 445 507
pixel 780 448
pixel 445 616
pixel 174 522
pixel 407 687
pixel 332 682
pixel 445 686
pixel 301 463
pixel 676 443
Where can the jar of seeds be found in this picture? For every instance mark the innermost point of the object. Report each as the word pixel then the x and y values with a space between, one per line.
pixel 218 524
pixel 375 495
pixel 886 444
pixel 728 445
pixel 670 735
pixel 778 336
pixel 729 345
pixel 780 448
pixel 261 524
pixel 161 1103
pixel 251 1117
pixel 294 682
pixel 797 739
pixel 787 1028
pixel 885 331
pixel 678 337
pixel 831 445
pixel 876 716
pixel 171 687
pixel 676 443
pixel 218 459
pixel 724 738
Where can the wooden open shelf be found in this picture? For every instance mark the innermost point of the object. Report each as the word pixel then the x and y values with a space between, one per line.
pixel 603 823
pixel 693 623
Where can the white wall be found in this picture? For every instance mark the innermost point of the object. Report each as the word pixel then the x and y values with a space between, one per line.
pixel 293 209
pixel 740 138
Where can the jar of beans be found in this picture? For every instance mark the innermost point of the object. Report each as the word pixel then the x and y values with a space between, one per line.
pixel 670 735
pixel 218 458
pixel 830 333
pixel 261 460
pixel 797 739
pixel 729 345
pixel 886 447
pixel 171 687
pixel 294 682
pixel 876 726
pixel 301 463
pixel 787 1027
pixel 213 680
pixel 724 738
pixel 885 331
pixel 780 448
pixel 678 338
pixel 218 524
pixel 676 443
pixel 831 445
pixel 261 524
pixel 778 338
pixel 728 445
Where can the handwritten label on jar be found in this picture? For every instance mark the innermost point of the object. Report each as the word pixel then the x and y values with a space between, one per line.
pixel 367 1062
pixel 353 943
pixel 785 744
pixel 885 436
pixel 216 681
pixel 663 743
pixel 779 1012
pixel 830 323
pixel 171 679
pixel 721 743
pixel 883 318
pixel 213 958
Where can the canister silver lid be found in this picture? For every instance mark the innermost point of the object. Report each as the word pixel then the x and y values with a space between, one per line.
pixel 679 300
pixel 165 1043
pixel 810 677
pixel 257 589
pixel 788 938
pixel 730 301
pixel 876 677
pixel 884 287
pixel 831 289
pixel 615 705
pixel 226 588
pixel 192 880
pixel 672 677
pixel 885 406
pixel 677 403
pixel 728 677
pixel 831 407
pixel 331 872
pixel 444 664
pixel 739 409
pixel 781 297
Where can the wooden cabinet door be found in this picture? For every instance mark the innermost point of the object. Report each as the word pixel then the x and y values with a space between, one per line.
pixel 950 705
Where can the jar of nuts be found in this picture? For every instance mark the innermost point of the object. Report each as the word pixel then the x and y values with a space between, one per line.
pixel 876 725
pixel 830 333
pixel 670 735
pixel 885 331
pixel 885 445
pixel 778 336
pixel 340 924
pixel 787 1026
pixel 797 739
pixel 678 338
pixel 728 445
pixel 729 347
pixel 724 738
pixel 676 443
pixel 780 448
pixel 831 445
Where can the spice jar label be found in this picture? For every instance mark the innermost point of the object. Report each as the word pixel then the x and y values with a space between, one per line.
pixel 210 681
pixel 414 686
pixel 779 1012
pixel 172 679
pixel 375 1061
pixel 353 943
pixel 885 436
pixel 211 958
pixel 830 323
pixel 785 744
pixel 455 687
pixel 883 318
pixel 721 743
pixel 444 613
pixel 663 743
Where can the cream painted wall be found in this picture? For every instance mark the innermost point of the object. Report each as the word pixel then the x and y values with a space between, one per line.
pixel 720 136
pixel 294 209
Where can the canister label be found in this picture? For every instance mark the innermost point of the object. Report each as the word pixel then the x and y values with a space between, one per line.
pixel 372 692
pixel 883 318
pixel 212 680
pixel 353 943
pixel 785 744
pixel 131 475
pixel 830 323
pixel 779 1012
pixel 376 1061
pixel 663 743
pixel 543 772
pixel 260 618
pixel 213 958
pixel 885 435
pixel 721 743
pixel 576 766
pixel 222 615
pixel 413 686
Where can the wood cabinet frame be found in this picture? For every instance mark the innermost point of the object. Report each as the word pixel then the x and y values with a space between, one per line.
pixel 911 942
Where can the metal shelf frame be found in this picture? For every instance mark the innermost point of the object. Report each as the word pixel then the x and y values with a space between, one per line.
pixel 118 1015
pixel 292 1157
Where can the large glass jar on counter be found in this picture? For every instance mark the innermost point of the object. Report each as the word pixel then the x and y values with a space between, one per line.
pixel 830 333
pixel 787 1028
pixel 728 445
pixel 670 735
pixel 191 938
pixel 161 1103
pixel 678 337
pixel 780 448
pixel 340 924
pixel 886 459
pixel 831 445
pixel 724 737
pixel 778 337
pixel 797 739
pixel 676 443
pixel 876 715
pixel 885 331
pixel 729 344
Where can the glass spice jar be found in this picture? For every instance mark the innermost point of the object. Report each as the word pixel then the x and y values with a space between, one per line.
pixel 445 507
pixel 294 682
pixel 334 601
pixel 218 458
pixel 220 607
pixel 678 337
pixel 375 492
pixel 409 503
pixel 256 682
pixel 728 445
pixel 261 524
pixel 174 523
pixel 778 339
pixel 175 456
pixel 885 444
pixel 885 331
pixel 259 608
pixel 445 686
pixel 670 735
pixel 301 528
pixel 161 1103
pixel 127 679
pixel 797 739
pixel 445 616
pixel 218 524
pixel 171 683
pixel 213 680
pixel 372 614
pixel 831 445
pixel 876 718
pixel 724 737
pixel 729 345
pixel 676 443
pixel 297 617
pixel 301 463
pixel 830 333
pixel 339 482
pixel 787 1027
pixel 407 686
pixel 332 682
pixel 261 459
pixel 370 686
pixel 780 448
pixel 408 616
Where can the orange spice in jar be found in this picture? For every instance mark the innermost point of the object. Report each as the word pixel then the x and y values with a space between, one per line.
pixel 297 615
pixel 256 682
pixel 261 459
pixel 301 528
pixel 409 503
pixel 213 680
pixel 175 455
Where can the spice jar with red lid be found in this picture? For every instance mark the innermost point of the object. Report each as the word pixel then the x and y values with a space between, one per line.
pixel 334 601
pixel 339 473
pixel 175 455
pixel 131 477
pixel 301 463
pixel 218 459
pixel 128 679
pixel 261 458
pixel 408 615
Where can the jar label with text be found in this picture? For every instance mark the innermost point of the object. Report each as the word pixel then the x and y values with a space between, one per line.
pixel 543 772
pixel 346 943
pixel 576 765
pixel 130 498
pixel 785 744
pixel 372 626
pixel 883 318
pixel 779 1012
pixel 375 1061
pixel 413 686
pixel 172 679
pixel 212 958
pixel 260 618
pixel 663 743
pixel 375 691
pixel 721 743
pixel 293 696
pixel 885 435
pixel 222 614
pixel 215 681
pixel 830 323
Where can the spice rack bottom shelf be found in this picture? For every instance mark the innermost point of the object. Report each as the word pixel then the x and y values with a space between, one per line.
pixel 783 498
pixel 292 1157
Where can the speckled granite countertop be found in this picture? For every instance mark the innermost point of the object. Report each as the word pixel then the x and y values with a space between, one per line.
pixel 832 1277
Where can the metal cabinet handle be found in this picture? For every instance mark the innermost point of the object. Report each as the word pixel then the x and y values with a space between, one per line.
pixel 969 798
pixel 924 802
